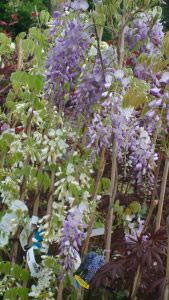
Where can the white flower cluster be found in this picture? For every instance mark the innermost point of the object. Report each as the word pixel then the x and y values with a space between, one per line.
pixel 10 221
pixel 70 180
pixel 46 276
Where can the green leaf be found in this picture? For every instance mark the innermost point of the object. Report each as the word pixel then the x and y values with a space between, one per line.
pixel 28 46
pixel 19 273
pixel 37 104
pixel 134 207
pixel 6 141
pixel 104 186
pixel 74 190
pixel 36 34
pixel 51 263
pixel 26 170
pixel 166 45
pixel 16 157
pixel 15 293
pixel 44 180
pixel 136 95
pixel 23 293
pixel 160 64
pixel 22 79
pixel 35 82
pixel 5 44
pixel 44 17
pixel 5 267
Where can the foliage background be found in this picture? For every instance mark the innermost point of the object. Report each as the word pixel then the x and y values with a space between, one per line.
pixel 33 120
pixel 19 14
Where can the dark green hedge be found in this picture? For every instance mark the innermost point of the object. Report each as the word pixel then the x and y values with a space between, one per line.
pixel 166 14
pixel 20 15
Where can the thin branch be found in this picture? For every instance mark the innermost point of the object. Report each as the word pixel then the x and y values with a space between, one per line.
pixel 28 125
pixel 162 194
pixel 122 42
pixel 20 54
pixel 153 202
pixel 93 217
pixel 113 190
pixel 5 88
pixel 166 291
pixel 22 193
pixel 50 194
pixel 94 198
pixel 60 289
pixel 136 283
pixel 98 49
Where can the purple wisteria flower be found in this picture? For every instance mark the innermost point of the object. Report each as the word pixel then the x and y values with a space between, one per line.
pixel 141 35
pixel 65 60
pixel 99 132
pixel 72 236
pixel 142 155
pixel 80 5
pixel 137 33
pixel 157 34
pixel 112 120
pixel 89 90
pixel 4 127
pixel 135 231
pixel 133 140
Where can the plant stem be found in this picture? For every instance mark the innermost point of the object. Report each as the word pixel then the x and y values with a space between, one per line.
pixel 94 198
pixel 50 194
pixel 100 171
pixel 122 38
pixel 5 88
pixel 20 54
pixel 151 209
pixel 98 49
pixel 60 289
pixel 162 194
pixel 153 202
pixel 22 196
pixel 22 193
pixel 136 283
pixel 166 291
pixel 110 217
pixel 83 141
pixel 28 125
pixel 36 203
pixel 113 189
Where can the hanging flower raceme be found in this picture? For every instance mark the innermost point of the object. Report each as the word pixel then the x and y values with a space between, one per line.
pixel 65 60
pixel 142 155
pixel 133 140
pixel 144 37
pixel 113 119
pixel 71 239
pixel 89 90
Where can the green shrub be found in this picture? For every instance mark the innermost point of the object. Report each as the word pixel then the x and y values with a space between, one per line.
pixel 20 15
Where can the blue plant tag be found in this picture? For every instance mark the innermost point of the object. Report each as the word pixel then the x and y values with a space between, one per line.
pixel 39 239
